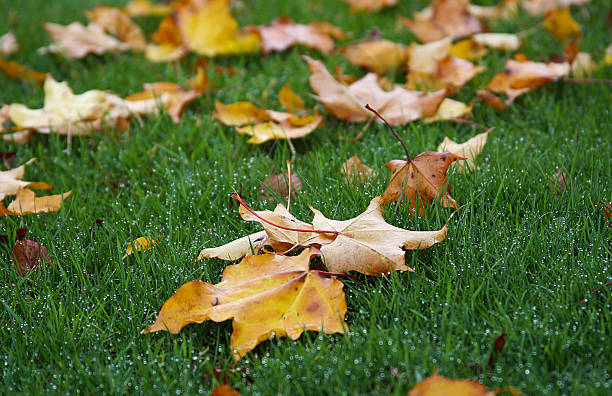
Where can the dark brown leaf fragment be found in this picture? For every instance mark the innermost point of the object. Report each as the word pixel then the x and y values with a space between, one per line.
pixel 29 255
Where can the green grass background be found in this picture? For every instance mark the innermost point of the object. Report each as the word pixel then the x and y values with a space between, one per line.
pixel 517 260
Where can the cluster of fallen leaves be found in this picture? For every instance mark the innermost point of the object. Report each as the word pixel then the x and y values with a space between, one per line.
pixel 287 279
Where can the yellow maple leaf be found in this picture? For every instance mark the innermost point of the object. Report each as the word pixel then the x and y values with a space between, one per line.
pixel 267 295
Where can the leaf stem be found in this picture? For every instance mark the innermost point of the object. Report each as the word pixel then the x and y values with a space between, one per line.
pixel 586 80
pixel 595 291
pixel 239 199
pixel 367 106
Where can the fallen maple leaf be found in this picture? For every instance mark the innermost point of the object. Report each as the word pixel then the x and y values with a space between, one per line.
pixel 138 245
pixel 190 27
pixel 437 385
pixel 290 101
pixel 450 109
pixel 522 76
pixel 20 72
pixel 501 41
pixel 11 183
pixel 583 65
pixel 75 40
pixel 113 20
pixel 368 244
pixel 224 390
pixel 451 72
pixel 377 54
pixel 421 179
pixel 560 181
pixel 369 5
pixel 283 33
pixel 171 95
pixel 237 249
pixel 29 256
pixel 468 149
pixel 8 44
pixel 62 109
pixel 263 125
pixel 27 203
pixel 445 18
pixel 398 106
pixel 537 7
pixel 561 24
pixel 145 8
pixel 266 295
pixel 356 172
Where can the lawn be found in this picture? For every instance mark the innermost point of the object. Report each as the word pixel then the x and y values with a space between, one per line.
pixel 518 258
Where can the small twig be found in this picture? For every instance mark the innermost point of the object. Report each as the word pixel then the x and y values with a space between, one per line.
pixel 595 291
pixel 392 131
pixel 338 274
pixel 239 199
pixel 587 80
pixel 471 123
pixel 289 176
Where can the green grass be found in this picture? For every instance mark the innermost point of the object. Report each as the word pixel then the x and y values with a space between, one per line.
pixel 517 260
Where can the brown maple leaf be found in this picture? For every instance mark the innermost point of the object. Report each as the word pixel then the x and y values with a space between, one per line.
pixel 116 22
pixel 398 106
pixel 283 33
pixel 444 18
pixel 368 244
pixel 265 296
pixel 11 183
pixel 521 76
pixel 422 179
pixel 369 5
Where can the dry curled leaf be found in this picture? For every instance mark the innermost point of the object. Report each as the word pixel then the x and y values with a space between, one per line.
pixel 422 179
pixel 11 183
pixel 283 33
pixel 368 244
pixel 356 172
pixel 468 149
pixel 116 22
pixel 28 203
pixel 138 245
pixel 370 5
pixel 8 44
pixel 445 18
pixel 265 296
pixel 29 256
pixel 398 106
